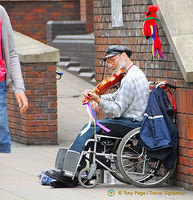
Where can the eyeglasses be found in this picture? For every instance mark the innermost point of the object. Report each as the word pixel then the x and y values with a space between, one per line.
pixel 111 60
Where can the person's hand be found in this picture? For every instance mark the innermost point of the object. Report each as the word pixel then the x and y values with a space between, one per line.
pixel 22 101
pixel 86 93
pixel 92 96
pixel 96 108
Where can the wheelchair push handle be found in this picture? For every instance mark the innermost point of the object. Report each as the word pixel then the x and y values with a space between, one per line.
pixel 161 84
pixel 171 86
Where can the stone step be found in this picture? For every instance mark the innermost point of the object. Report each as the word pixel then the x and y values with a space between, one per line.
pixel 64 59
pixel 82 72
pixel 84 38
pixel 93 81
pixel 78 70
pixel 85 69
pixel 66 65
pixel 74 70
pixel 87 76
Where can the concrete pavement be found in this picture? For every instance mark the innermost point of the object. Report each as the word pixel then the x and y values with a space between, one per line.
pixel 19 170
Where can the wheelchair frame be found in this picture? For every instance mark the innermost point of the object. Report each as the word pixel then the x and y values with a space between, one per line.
pixel 94 161
pixel 138 165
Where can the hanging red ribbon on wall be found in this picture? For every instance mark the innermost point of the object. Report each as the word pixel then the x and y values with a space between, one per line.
pixel 150 30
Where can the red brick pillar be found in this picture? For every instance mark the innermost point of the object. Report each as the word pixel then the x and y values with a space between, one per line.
pixel 39 124
pixel 86 14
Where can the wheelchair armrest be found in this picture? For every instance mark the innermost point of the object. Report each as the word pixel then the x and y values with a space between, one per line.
pixel 90 140
pixel 108 137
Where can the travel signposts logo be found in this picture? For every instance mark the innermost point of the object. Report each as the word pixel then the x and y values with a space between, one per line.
pixel 111 192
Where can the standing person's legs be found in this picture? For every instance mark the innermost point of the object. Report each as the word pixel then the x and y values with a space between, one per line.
pixel 5 140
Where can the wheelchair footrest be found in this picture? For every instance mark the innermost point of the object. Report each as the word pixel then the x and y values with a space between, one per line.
pixel 71 163
pixel 60 158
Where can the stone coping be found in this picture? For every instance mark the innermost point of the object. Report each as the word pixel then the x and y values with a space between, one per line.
pixel 33 51
pixel 66 22
pixel 176 20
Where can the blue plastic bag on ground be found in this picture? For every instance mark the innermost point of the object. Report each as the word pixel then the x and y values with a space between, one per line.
pixel 44 179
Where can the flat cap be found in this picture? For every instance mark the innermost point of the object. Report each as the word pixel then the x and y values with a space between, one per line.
pixel 117 49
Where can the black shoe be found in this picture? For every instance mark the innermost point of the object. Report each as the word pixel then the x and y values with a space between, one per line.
pixel 58 184
pixel 59 176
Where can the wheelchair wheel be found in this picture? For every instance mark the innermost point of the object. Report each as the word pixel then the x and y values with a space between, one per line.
pixel 136 167
pixel 117 174
pixel 84 181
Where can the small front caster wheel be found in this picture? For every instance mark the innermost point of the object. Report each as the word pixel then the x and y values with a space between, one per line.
pixel 83 178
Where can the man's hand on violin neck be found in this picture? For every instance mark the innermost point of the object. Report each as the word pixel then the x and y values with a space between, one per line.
pixel 92 96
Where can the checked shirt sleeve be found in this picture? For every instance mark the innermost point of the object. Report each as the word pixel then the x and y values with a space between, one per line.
pixel 117 102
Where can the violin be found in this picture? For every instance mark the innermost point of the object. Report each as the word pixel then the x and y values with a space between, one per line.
pixel 106 84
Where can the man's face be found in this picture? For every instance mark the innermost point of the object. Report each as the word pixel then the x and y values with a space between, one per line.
pixel 116 62
pixel 112 62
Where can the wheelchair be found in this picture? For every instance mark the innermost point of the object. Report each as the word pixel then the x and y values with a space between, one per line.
pixel 124 158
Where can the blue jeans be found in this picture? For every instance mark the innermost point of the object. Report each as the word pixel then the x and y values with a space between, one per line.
pixel 118 126
pixel 5 139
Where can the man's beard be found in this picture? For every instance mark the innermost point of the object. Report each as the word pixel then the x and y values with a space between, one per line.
pixel 121 64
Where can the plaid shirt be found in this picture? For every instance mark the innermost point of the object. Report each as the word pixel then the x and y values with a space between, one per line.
pixel 130 100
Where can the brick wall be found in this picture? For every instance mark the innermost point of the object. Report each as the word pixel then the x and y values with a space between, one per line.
pixel 167 69
pixel 86 14
pixel 39 124
pixel 83 10
pixel 30 17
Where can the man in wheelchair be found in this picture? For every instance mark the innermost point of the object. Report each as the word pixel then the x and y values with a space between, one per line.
pixel 127 106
